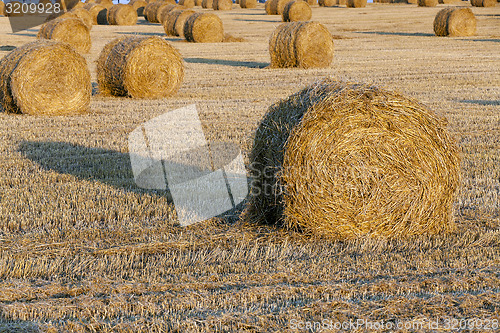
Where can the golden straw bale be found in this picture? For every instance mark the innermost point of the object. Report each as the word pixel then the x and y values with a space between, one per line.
pixel 207 4
pixel 345 160
pixel 267 7
pixel 222 4
pixel 312 2
pixel 121 14
pixel 68 30
pixel 356 3
pixel 140 67
pixel 152 9
pixel 301 44
pixel 66 5
pixel 164 10
pixel 296 10
pixel 95 11
pixel 187 3
pixel 45 77
pixel 106 3
pixel 277 6
pixel 83 15
pixel 2 7
pixel 198 3
pixel 181 20
pixel 327 3
pixel 174 21
pixel 204 28
pixel 341 2
pixel 139 6
pixel 79 4
pixel 455 22
pixel 483 3
pixel 427 3
pixel 248 3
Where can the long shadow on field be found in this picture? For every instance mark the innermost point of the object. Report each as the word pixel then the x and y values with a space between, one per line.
pixel 480 101
pixel 234 63
pixel 419 34
pixel 486 40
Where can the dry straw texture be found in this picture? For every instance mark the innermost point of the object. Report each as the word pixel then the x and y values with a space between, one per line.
pixel 83 15
pixel 139 6
pixel 207 4
pixel 248 3
pixel 301 44
pixel 345 160
pixel 198 3
pixel 106 3
pixel 175 20
pixel 140 67
pixel 267 7
pixel 312 2
pixel 356 3
pixel 165 10
pixel 297 10
pixel 44 78
pixel 327 3
pixel 204 28
pixel 427 3
pixel 277 6
pixel 483 3
pixel 68 30
pixel 152 9
pixel 222 4
pixel 2 7
pixel 95 11
pixel 121 14
pixel 449 1
pixel 187 3
pixel 455 22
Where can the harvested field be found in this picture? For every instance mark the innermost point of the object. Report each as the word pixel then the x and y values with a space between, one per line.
pixel 83 249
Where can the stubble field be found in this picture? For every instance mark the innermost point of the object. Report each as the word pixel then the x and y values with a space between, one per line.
pixel 83 249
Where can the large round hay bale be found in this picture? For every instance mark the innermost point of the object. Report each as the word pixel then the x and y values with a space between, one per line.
pixel 152 9
pixel 483 3
pixel 248 3
pixel 267 7
pixel 427 3
pixel 95 11
pixel 345 160
pixel 175 20
pixel 296 10
pixel 83 15
pixel 277 6
pixel 312 2
pixel 79 4
pixel 327 3
pixel 65 5
pixel 45 78
pixel 222 5
pixel 106 3
pixel 207 4
pixel 140 67
pixel 204 28
pixel 67 30
pixel 139 6
pixel 198 3
pixel 164 10
pixel 455 22
pixel 356 3
pixel 121 14
pixel 187 3
pixel 301 44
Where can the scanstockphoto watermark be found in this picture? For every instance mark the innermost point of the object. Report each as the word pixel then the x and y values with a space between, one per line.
pixel 446 323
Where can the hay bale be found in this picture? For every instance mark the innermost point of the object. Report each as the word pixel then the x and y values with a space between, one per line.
pixel 455 22
pixel 267 7
pixel 152 9
pixel 340 2
pixel 95 10
pixel 356 3
pixel 483 3
pixel 175 20
pixel 79 4
pixel 222 5
pixel 327 3
pixel 83 15
pixel 164 10
pixel 187 3
pixel 345 160
pixel 248 3
pixel 204 28
pixel 312 2
pixel 121 14
pixel 207 4
pixel 34 80
pixel 427 3
pixel 198 3
pixel 301 44
pixel 2 8
pixel 140 67
pixel 297 10
pixel 106 3
pixel 66 5
pixel 139 6
pixel 67 30
pixel 277 6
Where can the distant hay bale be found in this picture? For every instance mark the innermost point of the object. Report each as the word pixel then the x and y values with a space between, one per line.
pixel 207 4
pixel 139 6
pixel 448 1
pixel 427 3
pixel 267 7
pixel 67 30
pixel 151 11
pixel 277 6
pixel 95 11
pixel 102 17
pixel 248 3
pixel 66 5
pixel 34 80
pixel 296 10
pixel 301 44
pixel 341 2
pixel 140 67
pixel 175 20
pixel 121 14
pixel 483 3
pixel 198 3
pixel 345 160
pixel 2 8
pixel 164 10
pixel 204 28
pixel 312 2
pixel 106 3
pixel 187 3
pixel 222 4
pixel 327 3
pixel 83 15
pixel 455 22
pixel 356 3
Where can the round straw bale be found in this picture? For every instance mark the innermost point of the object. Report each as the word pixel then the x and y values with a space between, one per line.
pixel 45 78
pixel 83 15
pixel 139 6
pixel 66 5
pixel 2 7
pixel 140 67
pixel 68 30
pixel 79 4
pixel 181 20
pixel 327 3
pixel 222 5
pixel 277 6
pixel 164 10
pixel 483 3
pixel 268 8
pixel 296 10
pixel 345 160
pixel 121 14
pixel 106 3
pixel 356 3
pixel 312 2
pixel 187 3
pixel 89 1
pixel 197 3
pixel 204 28
pixel 151 10
pixel 207 4
pixel 95 11
pixel 248 4
pixel 427 3
pixel 455 22
pixel 174 21
pixel 301 44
